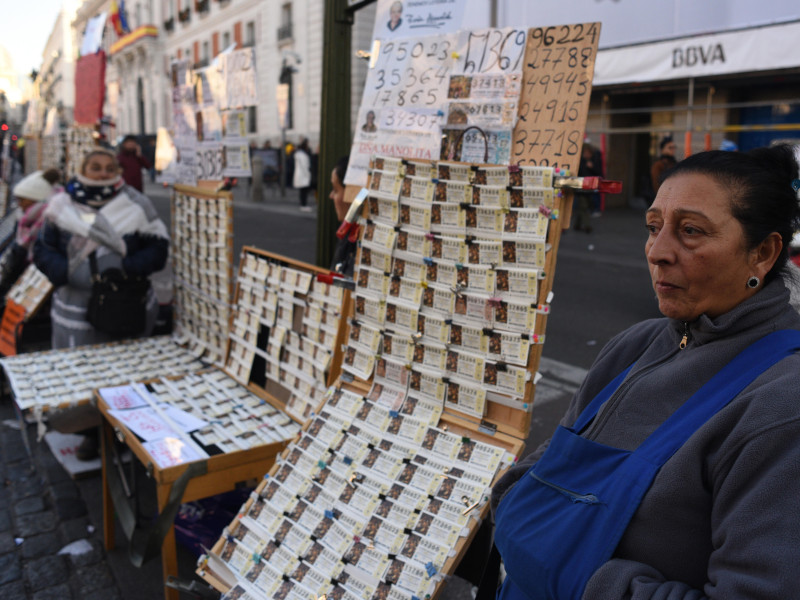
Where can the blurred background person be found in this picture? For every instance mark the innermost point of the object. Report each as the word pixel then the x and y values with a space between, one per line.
pixel 32 193
pixel 301 179
pixel 132 162
pixel 664 163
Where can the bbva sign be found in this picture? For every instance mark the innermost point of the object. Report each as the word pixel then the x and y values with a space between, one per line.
pixel 691 56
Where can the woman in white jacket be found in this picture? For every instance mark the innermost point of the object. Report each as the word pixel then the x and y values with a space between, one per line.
pixel 302 173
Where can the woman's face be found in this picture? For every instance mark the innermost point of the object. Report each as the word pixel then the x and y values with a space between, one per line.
pixel 395 12
pixel 696 249
pixel 337 195
pixel 100 167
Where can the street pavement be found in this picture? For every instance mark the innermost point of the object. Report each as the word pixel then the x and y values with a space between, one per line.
pixel 42 509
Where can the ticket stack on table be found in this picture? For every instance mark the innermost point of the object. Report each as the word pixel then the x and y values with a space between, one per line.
pixel 195 416
pixel 58 378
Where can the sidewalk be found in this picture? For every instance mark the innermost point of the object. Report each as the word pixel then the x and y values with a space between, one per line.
pixel 41 512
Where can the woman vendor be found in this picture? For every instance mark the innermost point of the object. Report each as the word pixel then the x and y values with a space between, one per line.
pixel 674 473
pixel 99 224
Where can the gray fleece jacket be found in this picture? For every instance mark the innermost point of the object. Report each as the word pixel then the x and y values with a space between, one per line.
pixel 722 517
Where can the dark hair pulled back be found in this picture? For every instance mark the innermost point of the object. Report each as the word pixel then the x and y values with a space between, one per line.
pixel 760 186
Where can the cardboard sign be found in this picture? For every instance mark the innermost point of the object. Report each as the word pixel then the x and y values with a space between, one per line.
pixel 556 85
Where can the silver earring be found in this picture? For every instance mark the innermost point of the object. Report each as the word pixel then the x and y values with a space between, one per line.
pixel 753 282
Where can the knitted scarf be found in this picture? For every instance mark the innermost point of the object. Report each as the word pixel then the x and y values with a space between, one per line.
pixel 92 192
pixel 29 225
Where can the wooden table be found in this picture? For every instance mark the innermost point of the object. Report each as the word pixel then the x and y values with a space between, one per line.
pixel 222 474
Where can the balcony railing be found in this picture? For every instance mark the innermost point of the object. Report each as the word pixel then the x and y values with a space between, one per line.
pixel 201 5
pixel 285 32
pixel 184 15
pixel 169 24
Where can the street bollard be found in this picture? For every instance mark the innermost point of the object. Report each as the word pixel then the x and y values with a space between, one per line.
pixel 257 182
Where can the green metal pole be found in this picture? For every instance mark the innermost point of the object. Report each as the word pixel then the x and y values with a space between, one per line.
pixel 335 133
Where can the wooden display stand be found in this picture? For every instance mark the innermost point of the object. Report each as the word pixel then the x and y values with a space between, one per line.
pixel 222 471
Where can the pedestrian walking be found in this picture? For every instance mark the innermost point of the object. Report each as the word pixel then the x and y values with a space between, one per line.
pixel 302 173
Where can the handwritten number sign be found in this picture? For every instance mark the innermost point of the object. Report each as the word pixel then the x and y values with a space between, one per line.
pixel 556 85
pixel 209 161
pixel 498 96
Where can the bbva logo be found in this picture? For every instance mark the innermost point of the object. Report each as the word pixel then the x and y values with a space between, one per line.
pixel 694 55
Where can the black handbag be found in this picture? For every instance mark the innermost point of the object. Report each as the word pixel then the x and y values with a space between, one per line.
pixel 118 302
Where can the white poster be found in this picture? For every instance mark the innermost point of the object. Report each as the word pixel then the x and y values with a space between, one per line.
pixel 93 35
pixel 409 93
pixel 239 75
pixel 406 18
pixel 236 160
pixel 234 125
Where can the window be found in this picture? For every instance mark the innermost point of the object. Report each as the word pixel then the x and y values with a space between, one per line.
pixel 286 14
pixel 226 39
pixel 206 53
pixel 252 121
pixel 250 34
pixel 285 29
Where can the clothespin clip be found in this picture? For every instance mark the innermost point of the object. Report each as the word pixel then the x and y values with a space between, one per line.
pixel 469 507
pixel 439 113
pixel 328 277
pixel 329 514
pixel 430 236
pixel 545 210
pixel 394 413
pixel 457 289
pixel 256 557
pixel 796 184
pixel 430 569
pixel 513 169
pixel 428 261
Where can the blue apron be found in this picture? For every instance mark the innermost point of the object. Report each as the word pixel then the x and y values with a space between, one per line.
pixel 564 518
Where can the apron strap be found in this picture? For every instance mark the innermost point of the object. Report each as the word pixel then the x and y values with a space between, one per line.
pixel 717 393
pixel 591 409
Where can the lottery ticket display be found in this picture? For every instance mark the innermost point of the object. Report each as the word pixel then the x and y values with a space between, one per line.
pixel 447 286
pixel 56 378
pixel 220 414
pixel 31 289
pixel 368 503
pixel 285 324
pixel 202 256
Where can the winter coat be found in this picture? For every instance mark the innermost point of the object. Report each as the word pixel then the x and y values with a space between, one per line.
pixel 719 520
pixel 126 233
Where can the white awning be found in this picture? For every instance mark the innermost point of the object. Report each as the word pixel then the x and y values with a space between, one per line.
pixel 758 49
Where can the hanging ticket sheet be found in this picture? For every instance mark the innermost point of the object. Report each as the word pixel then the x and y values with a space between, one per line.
pixel 420 87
